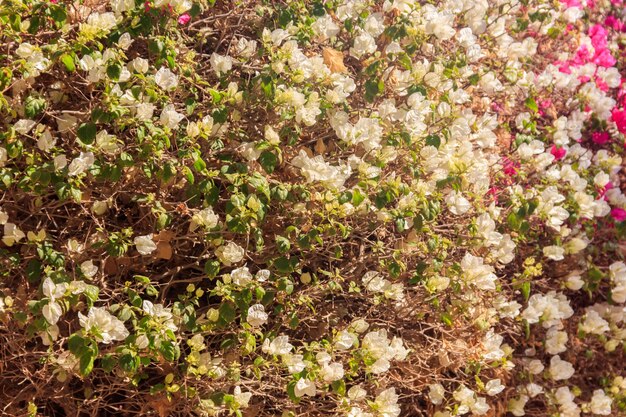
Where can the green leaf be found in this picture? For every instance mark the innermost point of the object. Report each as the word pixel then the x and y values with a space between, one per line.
pixel 33 271
pixel 283 244
pixel 212 268
pixel 373 88
pixel 129 362
pixel 34 106
pixel 114 71
pixel 531 104
pixel 526 290
pixel 68 61
pixel 357 197
pixel 75 343
pixel 285 265
pixel 35 21
pixel 292 393
pixel 169 350
pixel 447 319
pixel 87 133
pixel 433 140
pixel 339 387
pixel 285 285
pixel 227 312
pixel 268 161
pixel 108 363
pixel 58 13
pixel 257 181
pixel 87 359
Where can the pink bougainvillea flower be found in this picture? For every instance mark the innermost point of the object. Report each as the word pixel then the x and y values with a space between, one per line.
pixel 494 193
pixel 615 23
pixel 184 18
pixel 598 35
pixel 603 190
pixel 544 104
pixel 497 107
pixel 509 167
pixel 559 153
pixel 604 58
pixel 600 137
pixel 573 3
pixel 619 117
pixel 603 86
pixel 618 214
pixel 582 56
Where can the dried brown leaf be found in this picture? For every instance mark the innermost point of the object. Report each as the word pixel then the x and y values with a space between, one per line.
pixel 334 60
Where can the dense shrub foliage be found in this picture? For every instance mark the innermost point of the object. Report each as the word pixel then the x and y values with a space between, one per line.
pixel 284 208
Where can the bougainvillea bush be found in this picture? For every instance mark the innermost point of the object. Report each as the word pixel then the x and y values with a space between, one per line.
pixel 349 208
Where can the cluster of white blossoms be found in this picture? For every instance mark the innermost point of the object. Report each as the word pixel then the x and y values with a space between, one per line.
pixel 355 205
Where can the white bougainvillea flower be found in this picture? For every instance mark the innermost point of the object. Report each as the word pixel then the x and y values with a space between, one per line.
pixel 230 253
pixel 476 273
pixel 617 273
pixel 332 372
pixel 241 276
pixel 4 157
pixel 262 275
pixel 344 340
pixel 140 65
pixel 170 117
pixel 278 346
pixel 295 363
pixel 204 218
pixel 160 314
pixel 46 142
pixel 457 204
pixel 125 41
pixel 88 269
pixel 556 253
pixel 12 234
pixel 436 393
pixel 357 393
pixel 593 323
pixel 24 126
pixel 386 403
pixel 494 387
pixel 316 169
pixel 305 386
pixel 105 327
pixel 516 405
pixel 144 244
pixel 106 142
pixel 241 398
pixel 220 63
pixel 60 162
pixel 560 369
pixel 50 335
pixel 374 281
pixel 245 48
pixel 556 341
pixel 600 403
pixel 53 310
pixel 81 164
pixel 257 316
pixel 164 78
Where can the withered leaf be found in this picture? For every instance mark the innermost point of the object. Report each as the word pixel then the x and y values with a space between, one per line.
pixel 334 60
